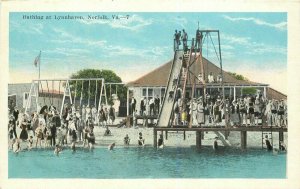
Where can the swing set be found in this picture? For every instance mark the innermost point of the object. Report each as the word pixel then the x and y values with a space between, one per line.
pixel 77 92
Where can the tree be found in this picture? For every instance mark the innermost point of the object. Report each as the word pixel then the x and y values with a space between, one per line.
pixel 92 89
pixel 238 76
pixel 249 90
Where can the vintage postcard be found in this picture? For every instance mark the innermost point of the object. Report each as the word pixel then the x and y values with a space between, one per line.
pixel 144 96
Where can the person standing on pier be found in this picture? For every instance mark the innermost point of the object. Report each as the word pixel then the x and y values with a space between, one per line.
pixel 143 106
pixel 274 112
pixel 200 112
pixel 243 111
pixel 151 105
pixel 133 104
pixel 235 113
pixel 156 105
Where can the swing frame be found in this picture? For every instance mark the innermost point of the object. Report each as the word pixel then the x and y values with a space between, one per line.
pixel 36 84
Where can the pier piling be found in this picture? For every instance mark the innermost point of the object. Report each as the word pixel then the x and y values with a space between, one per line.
pixel 155 138
pixel 198 139
pixel 243 139
pixel 281 138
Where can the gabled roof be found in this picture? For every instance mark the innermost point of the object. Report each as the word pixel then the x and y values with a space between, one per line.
pixel 159 76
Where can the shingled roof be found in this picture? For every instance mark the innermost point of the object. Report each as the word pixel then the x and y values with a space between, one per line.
pixel 159 76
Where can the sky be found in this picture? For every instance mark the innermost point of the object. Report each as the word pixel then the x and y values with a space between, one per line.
pixel 252 44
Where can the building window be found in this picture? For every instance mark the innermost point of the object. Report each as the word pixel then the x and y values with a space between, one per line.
pixel 150 92
pixel 144 92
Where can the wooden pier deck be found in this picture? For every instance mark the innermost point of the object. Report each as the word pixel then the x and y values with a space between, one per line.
pixel 199 130
pixel 223 128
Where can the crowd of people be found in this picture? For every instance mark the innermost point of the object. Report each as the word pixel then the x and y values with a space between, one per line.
pixel 248 110
pixel 213 110
pixel 45 128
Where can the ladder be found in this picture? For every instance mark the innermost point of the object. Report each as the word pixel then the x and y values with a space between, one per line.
pixel 269 134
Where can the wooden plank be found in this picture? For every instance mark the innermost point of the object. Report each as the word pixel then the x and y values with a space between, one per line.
pixel 253 129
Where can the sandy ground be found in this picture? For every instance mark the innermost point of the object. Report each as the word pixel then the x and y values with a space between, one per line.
pixel 254 139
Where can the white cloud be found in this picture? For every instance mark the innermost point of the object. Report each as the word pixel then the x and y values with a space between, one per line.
pixel 252 47
pixel 28 28
pixel 235 39
pixel 279 26
pixel 66 37
pixel 67 51
pixel 133 23
pixel 180 21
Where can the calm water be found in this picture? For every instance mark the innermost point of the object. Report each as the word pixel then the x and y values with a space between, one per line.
pixel 148 163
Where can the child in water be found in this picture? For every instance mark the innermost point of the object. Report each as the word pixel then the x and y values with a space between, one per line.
pixel 215 145
pixel 57 149
pixel 126 140
pixel 111 147
pixel 160 142
pixel 141 141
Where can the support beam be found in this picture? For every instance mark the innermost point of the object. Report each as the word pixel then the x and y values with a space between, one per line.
pixel 243 140
pixel 184 135
pixel 281 137
pixel 154 138
pixel 234 93
pixel 166 135
pixel 198 139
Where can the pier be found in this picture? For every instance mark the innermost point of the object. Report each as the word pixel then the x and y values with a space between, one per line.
pixel 200 130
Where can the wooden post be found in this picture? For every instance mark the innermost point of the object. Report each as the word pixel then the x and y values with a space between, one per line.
pixel 243 139
pixel 198 139
pixel 166 135
pixel 154 138
pixel 183 135
pixel 281 138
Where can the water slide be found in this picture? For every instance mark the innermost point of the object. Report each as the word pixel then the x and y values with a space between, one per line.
pixel 167 104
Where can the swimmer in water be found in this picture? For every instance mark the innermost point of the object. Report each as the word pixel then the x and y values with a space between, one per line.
pixel 73 147
pixel 57 149
pixel 268 143
pixel 141 141
pixel 30 143
pixel 215 145
pixel 111 147
pixel 16 146
pixel 126 140
pixel 160 142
